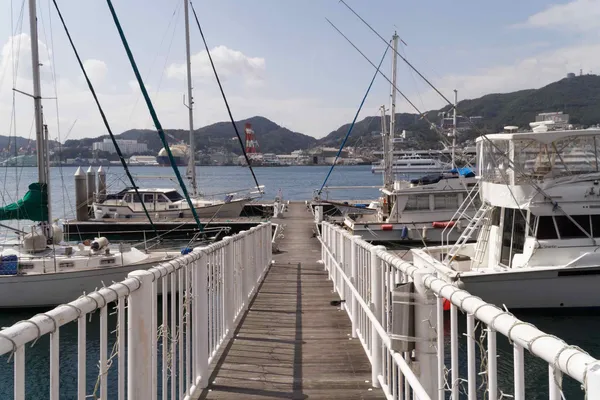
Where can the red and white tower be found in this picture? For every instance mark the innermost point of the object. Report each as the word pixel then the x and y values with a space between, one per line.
pixel 251 142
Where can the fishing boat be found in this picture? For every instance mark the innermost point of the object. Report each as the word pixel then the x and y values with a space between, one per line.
pixel 538 223
pixel 421 210
pixel 38 269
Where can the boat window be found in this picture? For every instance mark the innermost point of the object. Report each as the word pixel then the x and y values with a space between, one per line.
pixel 596 224
pixel 136 198
pixel 173 195
pixel 519 223
pixel 148 197
pixel 417 202
pixel 160 198
pixel 506 237
pixel 568 230
pixel 496 216
pixel 546 229
pixel 127 198
pixel 446 201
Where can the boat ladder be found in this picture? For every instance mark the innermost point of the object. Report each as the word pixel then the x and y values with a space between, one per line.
pixel 482 240
pixel 475 223
pixel 461 212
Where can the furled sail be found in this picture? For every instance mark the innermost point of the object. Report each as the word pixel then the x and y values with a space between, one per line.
pixel 33 206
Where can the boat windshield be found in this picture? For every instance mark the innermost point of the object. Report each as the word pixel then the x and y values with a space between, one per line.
pixel 566 156
pixel 173 195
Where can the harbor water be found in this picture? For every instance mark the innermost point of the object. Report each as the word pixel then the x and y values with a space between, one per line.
pixel 296 183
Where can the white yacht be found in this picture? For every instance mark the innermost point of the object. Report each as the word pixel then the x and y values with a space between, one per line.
pixel 539 223
pixel 166 204
pixel 413 164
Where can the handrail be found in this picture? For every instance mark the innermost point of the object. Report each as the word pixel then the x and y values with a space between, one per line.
pixel 345 256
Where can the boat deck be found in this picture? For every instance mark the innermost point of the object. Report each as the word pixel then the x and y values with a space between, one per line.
pixel 292 344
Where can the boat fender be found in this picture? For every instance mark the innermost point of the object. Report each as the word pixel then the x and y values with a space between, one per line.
pixel 57 234
pixel 99 243
pixel 98 214
pixel 424 234
pixel 186 250
pixel 404 234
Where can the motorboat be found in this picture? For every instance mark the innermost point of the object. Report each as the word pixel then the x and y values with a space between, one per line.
pixel 538 223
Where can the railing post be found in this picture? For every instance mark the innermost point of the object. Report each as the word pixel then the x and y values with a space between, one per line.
pixel 425 332
pixel 377 309
pixel 139 331
pixel 342 260
pixel 228 283
pixel 354 278
pixel 200 296
pixel 592 384
pixel 244 271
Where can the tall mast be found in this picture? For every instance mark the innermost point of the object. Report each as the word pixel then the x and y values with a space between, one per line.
pixel 190 106
pixel 388 173
pixel 40 139
pixel 389 176
pixel 454 127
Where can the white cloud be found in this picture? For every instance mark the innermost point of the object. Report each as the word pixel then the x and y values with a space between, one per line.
pixel 229 63
pixel 577 16
pixel 15 59
pixel 96 70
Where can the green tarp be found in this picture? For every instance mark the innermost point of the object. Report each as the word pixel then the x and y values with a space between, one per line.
pixel 33 206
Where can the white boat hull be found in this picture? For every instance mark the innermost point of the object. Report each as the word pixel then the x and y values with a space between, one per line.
pixel 232 209
pixel 51 289
pixel 541 288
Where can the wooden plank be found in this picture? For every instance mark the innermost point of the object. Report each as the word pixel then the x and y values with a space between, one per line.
pixel 293 344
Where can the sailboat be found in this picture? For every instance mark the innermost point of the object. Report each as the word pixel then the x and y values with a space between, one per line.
pixel 169 203
pixel 39 270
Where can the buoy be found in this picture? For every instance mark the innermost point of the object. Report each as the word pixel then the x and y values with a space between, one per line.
pixel 186 250
pixel 404 233
pixel 446 305
pixel 387 227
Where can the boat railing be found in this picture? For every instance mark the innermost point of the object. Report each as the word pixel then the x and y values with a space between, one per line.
pixel 409 342
pixel 161 344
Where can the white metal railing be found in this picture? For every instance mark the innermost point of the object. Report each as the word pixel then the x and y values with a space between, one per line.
pixel 365 276
pixel 164 344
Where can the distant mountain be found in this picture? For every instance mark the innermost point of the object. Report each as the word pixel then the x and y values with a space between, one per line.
pixel 271 137
pixel 20 142
pixel 577 96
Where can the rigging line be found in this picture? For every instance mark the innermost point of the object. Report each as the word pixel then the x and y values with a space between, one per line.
pixel 159 128
pixel 162 40
pixel 53 67
pixel 510 162
pixel 104 119
pixel 353 121
pixel 224 98
pixel 421 114
pixel 399 55
pixel 484 137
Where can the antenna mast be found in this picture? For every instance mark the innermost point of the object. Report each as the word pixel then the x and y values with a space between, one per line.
pixel 454 128
pixel 389 155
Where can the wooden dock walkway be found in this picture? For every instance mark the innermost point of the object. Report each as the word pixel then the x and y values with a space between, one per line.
pixel 292 344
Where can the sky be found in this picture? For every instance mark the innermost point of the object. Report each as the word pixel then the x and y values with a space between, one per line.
pixel 281 59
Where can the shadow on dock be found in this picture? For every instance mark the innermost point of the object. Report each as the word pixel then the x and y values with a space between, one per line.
pixel 292 344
